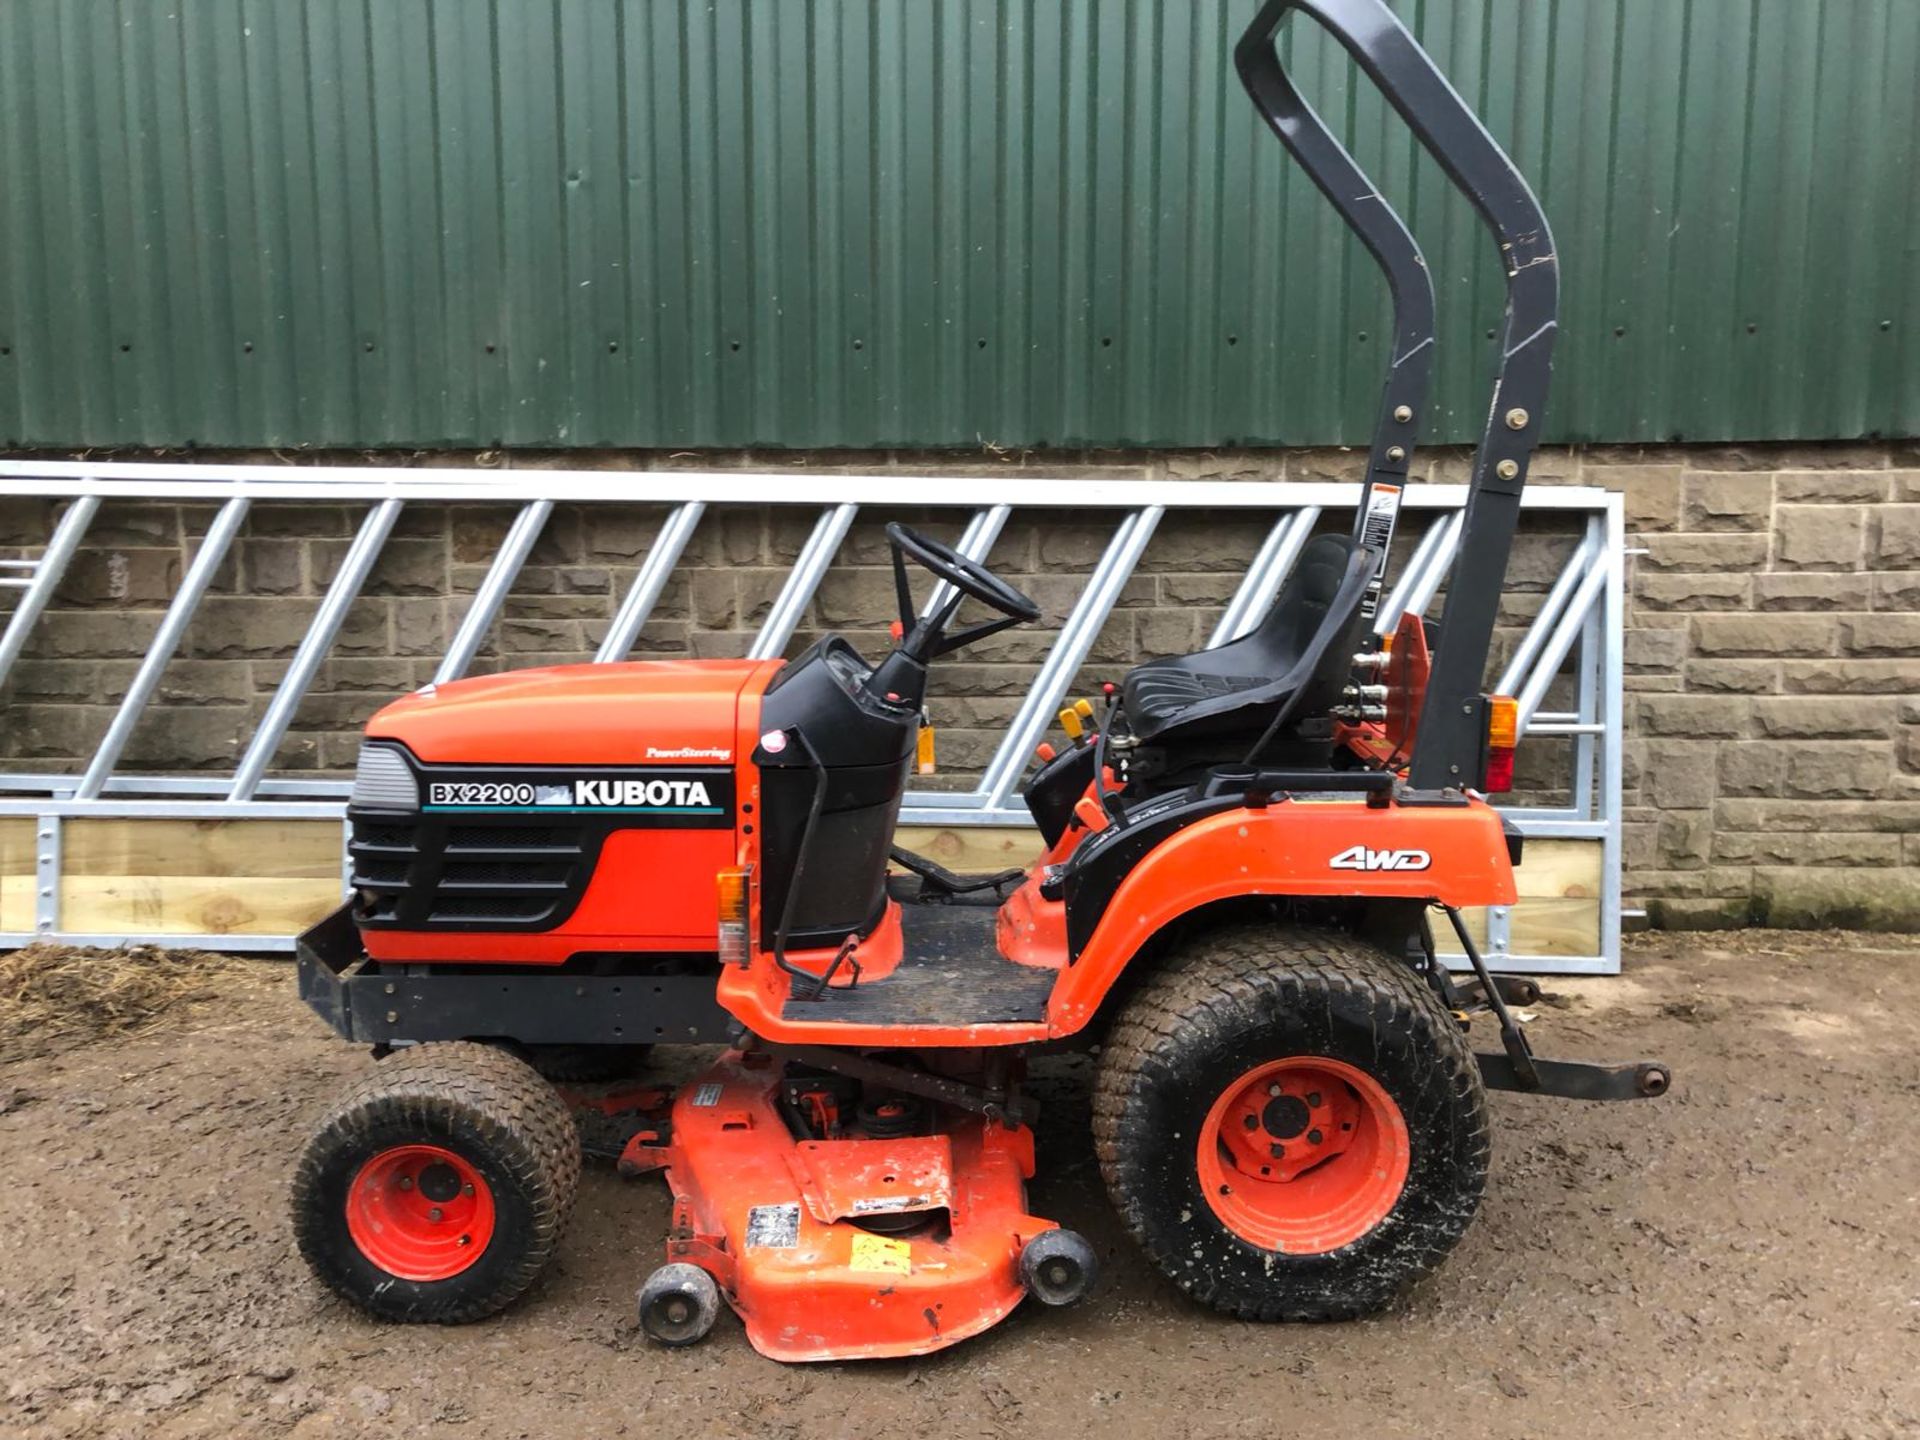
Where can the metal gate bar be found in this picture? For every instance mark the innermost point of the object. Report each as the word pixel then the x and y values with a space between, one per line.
pixel 47 573
pixel 655 571
pixel 815 556
pixel 314 645
pixel 1270 567
pixel 1579 621
pixel 213 550
pixel 522 536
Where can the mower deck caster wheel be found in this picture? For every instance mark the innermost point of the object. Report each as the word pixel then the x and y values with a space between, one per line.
pixel 1058 1267
pixel 679 1304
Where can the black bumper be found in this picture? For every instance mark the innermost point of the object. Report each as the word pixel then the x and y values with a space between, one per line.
pixel 374 1004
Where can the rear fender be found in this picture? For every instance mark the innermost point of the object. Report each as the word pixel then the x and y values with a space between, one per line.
pixel 1319 848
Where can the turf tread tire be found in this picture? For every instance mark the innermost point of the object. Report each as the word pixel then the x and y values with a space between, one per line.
pixel 493 1109
pixel 1223 991
pixel 587 1064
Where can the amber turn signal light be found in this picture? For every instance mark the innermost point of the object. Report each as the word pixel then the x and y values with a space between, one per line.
pixel 735 888
pixel 1503 734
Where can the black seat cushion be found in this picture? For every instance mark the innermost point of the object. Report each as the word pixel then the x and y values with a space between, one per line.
pixel 1300 654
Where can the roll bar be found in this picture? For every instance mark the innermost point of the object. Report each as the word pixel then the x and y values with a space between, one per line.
pixel 1448 746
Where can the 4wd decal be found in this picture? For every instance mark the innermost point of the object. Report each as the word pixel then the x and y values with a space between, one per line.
pixel 1361 857
pixel 678 795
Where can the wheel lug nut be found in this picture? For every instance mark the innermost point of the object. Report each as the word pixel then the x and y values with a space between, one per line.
pixel 406 1182
pixel 466 1239
pixel 466 1189
pixel 1314 1099
pixel 1314 1137
pixel 1277 1151
pixel 434 1213
pixel 1252 1122
pixel 1274 1091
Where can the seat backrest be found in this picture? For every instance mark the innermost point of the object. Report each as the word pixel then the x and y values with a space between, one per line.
pixel 1323 656
pixel 1299 657
pixel 1311 590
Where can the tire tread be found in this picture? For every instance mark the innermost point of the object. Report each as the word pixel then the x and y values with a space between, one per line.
pixel 520 1116
pixel 1264 969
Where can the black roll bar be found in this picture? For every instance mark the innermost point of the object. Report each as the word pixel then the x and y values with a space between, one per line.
pixel 1449 744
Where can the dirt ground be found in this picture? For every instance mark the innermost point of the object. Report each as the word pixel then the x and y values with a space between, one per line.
pixel 1739 1258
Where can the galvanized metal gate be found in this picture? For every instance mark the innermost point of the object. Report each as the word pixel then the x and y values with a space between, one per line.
pixel 1579 625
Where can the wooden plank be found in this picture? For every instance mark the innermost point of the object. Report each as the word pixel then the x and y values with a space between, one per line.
pixel 1559 882
pixel 267 849
pixel 193 904
pixel 261 877
pixel 972 849
pixel 16 903
pixel 1560 869
pixel 1555 927
pixel 16 872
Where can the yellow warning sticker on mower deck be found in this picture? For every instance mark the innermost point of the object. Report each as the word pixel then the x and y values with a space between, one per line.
pixel 879 1252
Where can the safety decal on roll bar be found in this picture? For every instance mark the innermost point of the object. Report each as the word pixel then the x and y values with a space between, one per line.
pixel 773 1227
pixel 1376 532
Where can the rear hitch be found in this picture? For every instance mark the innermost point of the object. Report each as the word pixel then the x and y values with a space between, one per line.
pixel 1514 989
pixel 1518 1068
pixel 1577 1079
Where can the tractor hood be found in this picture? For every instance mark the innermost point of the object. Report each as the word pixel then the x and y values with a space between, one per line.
pixel 658 712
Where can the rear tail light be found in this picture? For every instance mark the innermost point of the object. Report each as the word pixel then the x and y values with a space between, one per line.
pixel 1503 734
pixel 735 887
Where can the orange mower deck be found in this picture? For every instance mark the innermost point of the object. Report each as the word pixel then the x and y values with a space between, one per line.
pixel 846 1248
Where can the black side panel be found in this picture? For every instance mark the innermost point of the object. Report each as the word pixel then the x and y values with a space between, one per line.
pixel 1101 863
pixel 1055 789
pixel 865 745
pixel 846 877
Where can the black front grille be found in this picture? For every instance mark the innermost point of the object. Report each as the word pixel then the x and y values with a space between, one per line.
pixel 429 873
pixel 520 837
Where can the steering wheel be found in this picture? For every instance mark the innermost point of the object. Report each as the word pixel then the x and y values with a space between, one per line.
pixel 969 577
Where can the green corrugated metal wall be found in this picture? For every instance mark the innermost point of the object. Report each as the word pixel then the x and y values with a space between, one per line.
pixel 874 222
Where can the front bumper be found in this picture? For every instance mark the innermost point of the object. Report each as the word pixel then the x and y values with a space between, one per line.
pixel 374 1004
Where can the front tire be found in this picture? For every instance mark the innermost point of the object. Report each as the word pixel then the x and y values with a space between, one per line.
pixel 1290 1124
pixel 438 1188
pixel 587 1064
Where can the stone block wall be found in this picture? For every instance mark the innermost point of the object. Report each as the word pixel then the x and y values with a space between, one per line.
pixel 1773 650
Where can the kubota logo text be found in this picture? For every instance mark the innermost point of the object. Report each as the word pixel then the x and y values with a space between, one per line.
pixel 676 793
pixel 1360 857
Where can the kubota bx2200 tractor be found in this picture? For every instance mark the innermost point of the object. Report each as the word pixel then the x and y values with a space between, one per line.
pixel 1244 861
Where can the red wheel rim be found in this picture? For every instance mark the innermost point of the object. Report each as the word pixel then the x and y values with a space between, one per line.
pixel 1303 1155
pixel 420 1212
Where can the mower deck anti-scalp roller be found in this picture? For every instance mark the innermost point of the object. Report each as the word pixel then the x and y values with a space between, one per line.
pixel 1246 852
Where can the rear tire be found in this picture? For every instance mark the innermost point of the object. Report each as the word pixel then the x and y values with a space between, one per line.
pixel 1291 1124
pixel 438 1188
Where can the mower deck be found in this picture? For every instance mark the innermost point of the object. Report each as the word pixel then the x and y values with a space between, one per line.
pixel 951 972
pixel 843 1248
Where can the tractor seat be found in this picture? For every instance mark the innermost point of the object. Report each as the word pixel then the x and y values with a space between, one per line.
pixel 1299 656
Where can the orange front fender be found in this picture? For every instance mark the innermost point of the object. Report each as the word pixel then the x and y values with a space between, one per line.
pixel 1453 854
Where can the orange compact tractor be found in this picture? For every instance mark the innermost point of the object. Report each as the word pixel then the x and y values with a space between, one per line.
pixel 1244 861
